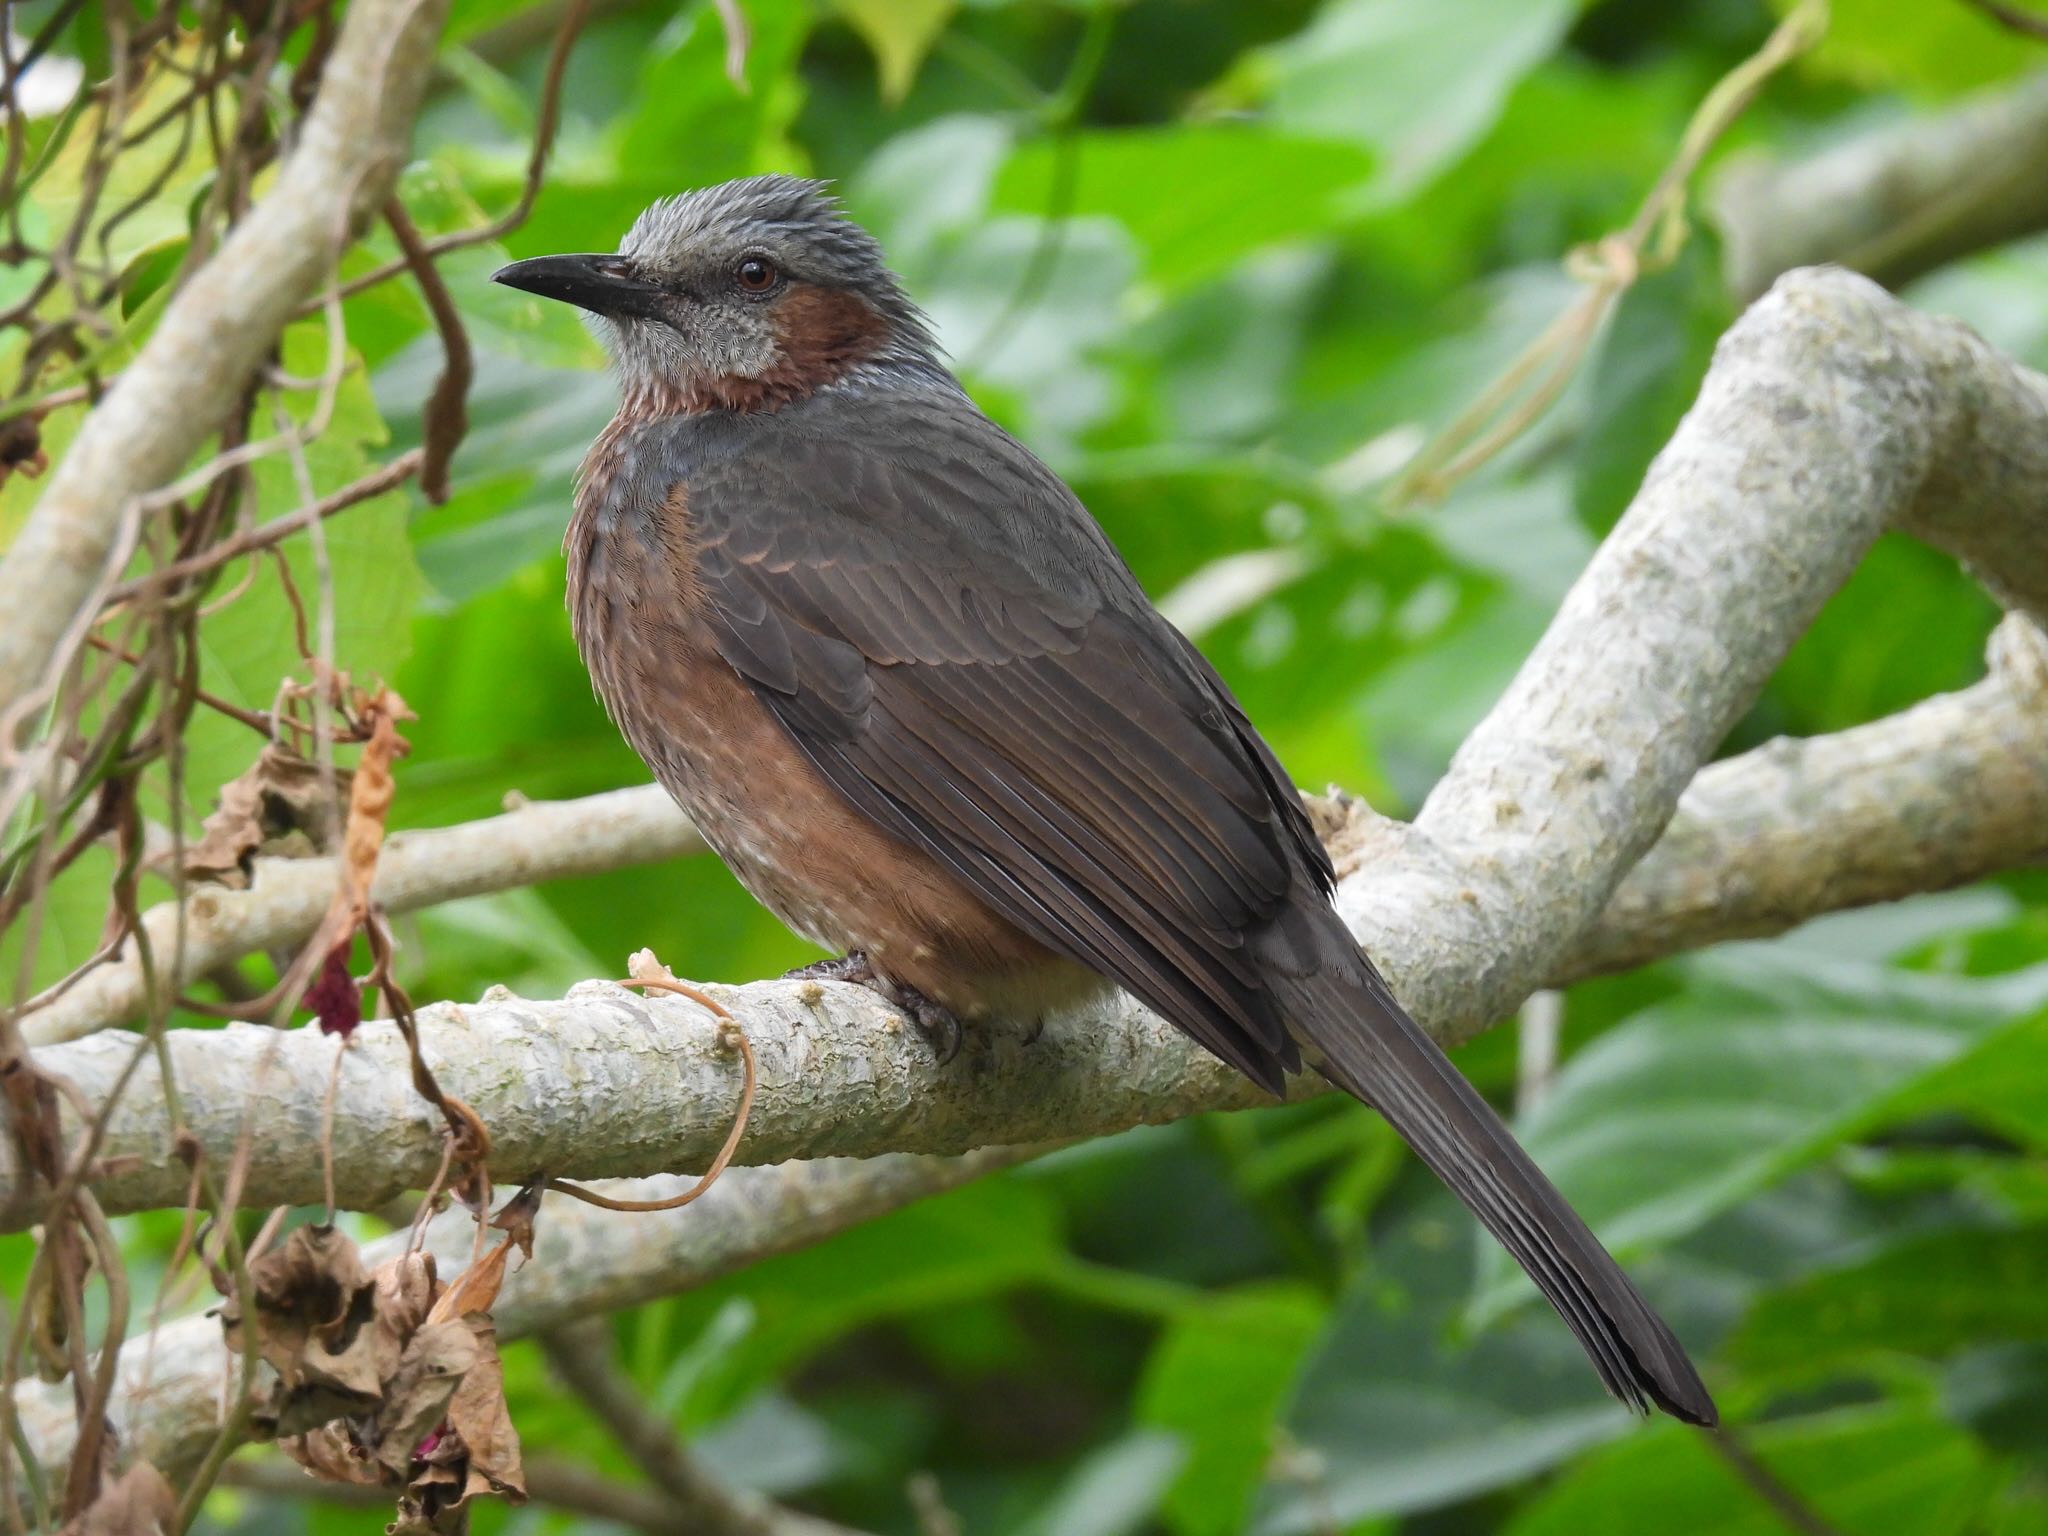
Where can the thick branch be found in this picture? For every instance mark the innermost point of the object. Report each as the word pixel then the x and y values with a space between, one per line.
pixel 585 1261
pixel 218 327
pixel 288 897
pixel 1943 794
pixel 1895 203
pixel 1831 412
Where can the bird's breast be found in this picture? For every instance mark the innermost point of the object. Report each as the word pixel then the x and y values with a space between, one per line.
pixel 639 611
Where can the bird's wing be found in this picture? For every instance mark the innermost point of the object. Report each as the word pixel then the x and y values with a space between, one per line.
pixel 948 637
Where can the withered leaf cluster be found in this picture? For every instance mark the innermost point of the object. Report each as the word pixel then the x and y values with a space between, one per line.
pixel 277 806
pixel 385 1376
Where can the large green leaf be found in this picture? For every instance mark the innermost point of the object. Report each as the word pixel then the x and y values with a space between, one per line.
pixel 1766 1062
pixel 1893 1468
pixel 1398 1412
pixel 1217 1379
pixel 1415 83
pixel 1929 1297
pixel 1196 197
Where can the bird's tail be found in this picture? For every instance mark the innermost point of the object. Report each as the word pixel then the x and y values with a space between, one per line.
pixel 1356 1034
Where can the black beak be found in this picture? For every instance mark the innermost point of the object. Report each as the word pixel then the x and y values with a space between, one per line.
pixel 599 284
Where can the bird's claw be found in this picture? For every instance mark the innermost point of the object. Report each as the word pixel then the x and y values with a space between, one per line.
pixel 934 1021
pixel 850 967
pixel 937 1024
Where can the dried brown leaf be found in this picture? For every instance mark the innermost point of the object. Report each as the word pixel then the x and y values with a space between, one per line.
pixel 475 1451
pixel 334 1332
pixel 358 1363
pixel 515 1218
pixel 331 1454
pixel 417 1396
pixel 369 800
pixel 480 1418
pixel 277 806
pixel 21 447
pixel 476 1288
pixel 315 1283
pixel 137 1503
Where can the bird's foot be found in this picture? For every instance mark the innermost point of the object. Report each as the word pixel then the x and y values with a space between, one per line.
pixel 851 967
pixel 934 1021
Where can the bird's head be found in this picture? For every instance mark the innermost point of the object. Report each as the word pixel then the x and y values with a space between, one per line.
pixel 742 296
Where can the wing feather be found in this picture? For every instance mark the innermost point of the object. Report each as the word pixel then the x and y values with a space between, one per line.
pixel 1008 702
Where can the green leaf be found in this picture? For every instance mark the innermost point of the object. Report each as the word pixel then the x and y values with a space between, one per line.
pixel 1910 622
pixel 988 1238
pixel 900 33
pixel 686 104
pixel 1112 1491
pixel 1418 84
pixel 1217 1379
pixel 1896 1469
pixel 1935 49
pixel 1929 1297
pixel 150 185
pixel 1766 1062
pixel 1396 1414
pixel 1196 198
pixel 514 937
pixel 1646 377
pixel 2000 1085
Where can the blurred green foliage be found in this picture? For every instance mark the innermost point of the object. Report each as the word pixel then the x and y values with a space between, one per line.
pixel 1224 262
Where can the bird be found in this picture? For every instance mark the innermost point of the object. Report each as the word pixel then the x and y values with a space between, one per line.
pixel 910 693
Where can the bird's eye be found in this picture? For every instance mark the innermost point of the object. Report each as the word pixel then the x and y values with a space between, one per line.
pixel 754 275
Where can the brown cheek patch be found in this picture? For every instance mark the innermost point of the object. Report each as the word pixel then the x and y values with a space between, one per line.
pixel 820 333
pixel 823 332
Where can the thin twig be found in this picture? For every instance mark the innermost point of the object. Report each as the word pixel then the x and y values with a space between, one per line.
pixel 738 38
pixel 1784 1500
pixel 263 536
pixel 446 415
pixel 543 141
pixel 1609 267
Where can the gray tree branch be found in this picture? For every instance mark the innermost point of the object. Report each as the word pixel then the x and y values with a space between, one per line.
pixel 214 333
pixel 1894 203
pixel 1949 791
pixel 287 898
